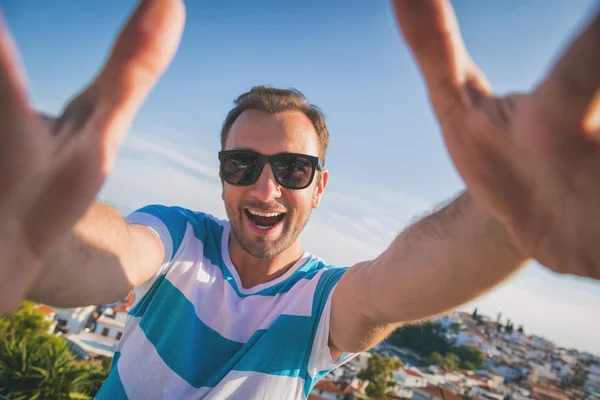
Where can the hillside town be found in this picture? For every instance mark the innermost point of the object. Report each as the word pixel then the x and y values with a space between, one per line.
pixel 515 365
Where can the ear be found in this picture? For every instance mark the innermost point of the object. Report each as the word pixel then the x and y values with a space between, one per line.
pixel 321 185
pixel 222 185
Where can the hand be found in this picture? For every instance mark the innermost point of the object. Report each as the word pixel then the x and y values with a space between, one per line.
pixel 51 170
pixel 532 159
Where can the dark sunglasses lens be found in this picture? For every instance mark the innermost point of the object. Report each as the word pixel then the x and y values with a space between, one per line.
pixel 293 171
pixel 240 169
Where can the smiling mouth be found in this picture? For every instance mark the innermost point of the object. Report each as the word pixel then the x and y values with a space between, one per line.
pixel 264 220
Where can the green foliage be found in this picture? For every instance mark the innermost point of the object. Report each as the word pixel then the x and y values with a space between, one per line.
pixel 380 374
pixel 25 321
pixel 464 357
pixel 37 365
pixel 425 338
pixel 471 358
pixel 468 365
pixel 449 360
pixel 434 359
pixel 509 328
pixel 456 327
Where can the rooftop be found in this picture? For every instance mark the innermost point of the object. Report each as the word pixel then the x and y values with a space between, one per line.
pixel 110 321
pixel 44 309
pixel 336 388
pixel 93 344
pixel 412 373
pixel 440 393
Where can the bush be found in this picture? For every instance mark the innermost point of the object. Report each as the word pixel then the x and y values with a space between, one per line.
pixel 38 365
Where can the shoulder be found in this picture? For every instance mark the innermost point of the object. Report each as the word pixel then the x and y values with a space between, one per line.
pixel 173 223
pixel 318 275
pixel 175 216
pixel 316 268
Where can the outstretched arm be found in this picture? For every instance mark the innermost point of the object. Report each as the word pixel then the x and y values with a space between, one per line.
pixel 440 262
pixel 98 262
pixel 531 163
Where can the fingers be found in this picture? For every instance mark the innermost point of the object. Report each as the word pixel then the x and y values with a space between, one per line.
pixel 140 55
pixel 13 94
pixel 572 90
pixel 431 31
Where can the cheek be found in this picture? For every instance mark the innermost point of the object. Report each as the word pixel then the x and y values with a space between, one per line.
pixel 301 203
pixel 231 197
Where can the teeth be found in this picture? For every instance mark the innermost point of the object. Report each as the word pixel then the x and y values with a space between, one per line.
pixel 262 227
pixel 263 214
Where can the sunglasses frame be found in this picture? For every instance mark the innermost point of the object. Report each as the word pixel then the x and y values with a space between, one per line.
pixel 315 163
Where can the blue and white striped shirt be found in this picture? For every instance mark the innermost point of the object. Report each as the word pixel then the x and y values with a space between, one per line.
pixel 195 333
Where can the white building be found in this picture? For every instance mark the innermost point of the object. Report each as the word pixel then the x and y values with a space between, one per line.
pixel 111 324
pixel 329 390
pixel 509 372
pixel 592 383
pixel 88 344
pixel 542 371
pixel 541 343
pixel 49 314
pixel 410 378
pixel 362 360
pixel 485 392
pixel 74 319
pixel 475 339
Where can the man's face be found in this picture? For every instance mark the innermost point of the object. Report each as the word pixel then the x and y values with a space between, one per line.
pixel 269 134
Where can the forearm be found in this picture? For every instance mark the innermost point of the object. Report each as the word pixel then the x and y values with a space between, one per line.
pixel 91 265
pixel 441 262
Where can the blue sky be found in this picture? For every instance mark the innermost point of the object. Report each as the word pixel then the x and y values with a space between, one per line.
pixel 386 158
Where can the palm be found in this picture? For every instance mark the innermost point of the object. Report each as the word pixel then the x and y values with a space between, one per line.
pixel 532 159
pixel 51 170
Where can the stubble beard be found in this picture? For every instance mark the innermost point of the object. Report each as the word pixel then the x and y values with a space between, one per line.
pixel 265 249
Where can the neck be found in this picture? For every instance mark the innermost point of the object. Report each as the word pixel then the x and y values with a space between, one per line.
pixel 253 271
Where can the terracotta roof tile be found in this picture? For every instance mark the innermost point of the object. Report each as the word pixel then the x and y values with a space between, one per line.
pixel 440 393
pixel 412 373
pixel 44 309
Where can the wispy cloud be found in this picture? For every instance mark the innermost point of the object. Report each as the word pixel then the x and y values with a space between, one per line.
pixel 352 225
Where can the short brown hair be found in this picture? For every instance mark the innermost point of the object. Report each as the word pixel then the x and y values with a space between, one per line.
pixel 273 100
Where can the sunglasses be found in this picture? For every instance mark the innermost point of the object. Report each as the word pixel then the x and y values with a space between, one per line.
pixel 291 170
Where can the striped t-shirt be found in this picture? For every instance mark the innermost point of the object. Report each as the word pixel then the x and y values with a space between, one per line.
pixel 195 333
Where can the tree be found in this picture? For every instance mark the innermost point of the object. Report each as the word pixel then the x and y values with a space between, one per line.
pixel 509 328
pixel 471 358
pixel 380 374
pixel 450 360
pixel 37 365
pixel 425 338
pixel 456 327
pixel 521 330
pixel 433 359
pixel 24 321
pixel 468 365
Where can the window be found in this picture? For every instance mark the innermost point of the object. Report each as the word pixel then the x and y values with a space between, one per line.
pixel 105 332
pixel 119 334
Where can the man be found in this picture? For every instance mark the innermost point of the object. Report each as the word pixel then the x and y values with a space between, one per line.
pixel 236 309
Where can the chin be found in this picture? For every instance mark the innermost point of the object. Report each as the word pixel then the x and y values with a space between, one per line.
pixel 259 250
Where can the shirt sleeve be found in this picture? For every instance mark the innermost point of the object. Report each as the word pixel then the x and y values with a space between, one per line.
pixel 169 224
pixel 320 361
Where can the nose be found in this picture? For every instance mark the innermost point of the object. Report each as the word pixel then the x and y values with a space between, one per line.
pixel 266 187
